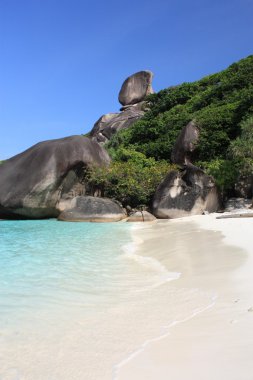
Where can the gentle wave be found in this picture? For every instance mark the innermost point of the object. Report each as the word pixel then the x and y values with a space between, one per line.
pixel 85 312
pixel 139 350
pixel 148 263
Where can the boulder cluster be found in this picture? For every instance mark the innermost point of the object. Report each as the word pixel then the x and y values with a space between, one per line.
pixel 49 179
pixel 132 95
pixel 188 191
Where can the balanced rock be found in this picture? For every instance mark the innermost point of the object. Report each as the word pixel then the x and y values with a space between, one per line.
pixel 132 96
pixel 185 144
pixel 93 209
pixel 136 88
pixel 189 192
pixel 111 123
pixel 41 181
pixel 141 216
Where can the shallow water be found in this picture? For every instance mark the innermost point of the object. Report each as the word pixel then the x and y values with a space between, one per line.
pixel 76 299
pixel 48 264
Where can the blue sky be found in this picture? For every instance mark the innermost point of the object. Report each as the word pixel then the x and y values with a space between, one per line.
pixel 62 62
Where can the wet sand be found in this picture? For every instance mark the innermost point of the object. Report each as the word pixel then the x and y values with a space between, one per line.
pixel 216 341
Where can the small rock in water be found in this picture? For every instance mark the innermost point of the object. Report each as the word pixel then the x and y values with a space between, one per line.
pixel 141 216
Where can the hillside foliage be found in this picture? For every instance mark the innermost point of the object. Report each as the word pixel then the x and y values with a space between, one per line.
pixel 218 103
pixel 222 106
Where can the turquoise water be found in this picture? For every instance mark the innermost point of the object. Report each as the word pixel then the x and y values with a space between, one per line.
pixel 77 299
pixel 73 298
pixel 49 264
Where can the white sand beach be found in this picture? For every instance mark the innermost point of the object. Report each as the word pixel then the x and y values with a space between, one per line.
pixel 182 309
pixel 216 340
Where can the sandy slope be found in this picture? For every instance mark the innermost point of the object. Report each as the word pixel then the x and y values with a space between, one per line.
pixel 216 342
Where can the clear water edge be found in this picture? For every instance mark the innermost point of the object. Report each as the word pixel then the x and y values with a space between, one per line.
pixel 78 279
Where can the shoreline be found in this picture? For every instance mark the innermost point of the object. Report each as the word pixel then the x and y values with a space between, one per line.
pixel 231 298
pixel 163 292
pixel 139 350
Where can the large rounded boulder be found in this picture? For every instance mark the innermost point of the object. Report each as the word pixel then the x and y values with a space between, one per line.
pixel 93 209
pixel 40 182
pixel 136 88
pixel 185 193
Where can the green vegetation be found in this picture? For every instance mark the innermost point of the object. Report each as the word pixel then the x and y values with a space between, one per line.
pixel 218 103
pixel 239 162
pixel 222 106
pixel 131 178
pixel 241 149
pixel 225 173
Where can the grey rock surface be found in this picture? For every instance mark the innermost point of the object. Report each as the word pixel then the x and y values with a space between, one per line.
pixel 41 181
pixel 185 144
pixel 111 123
pixel 185 193
pixel 132 94
pixel 93 209
pixel 244 186
pixel 237 205
pixel 141 216
pixel 136 87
